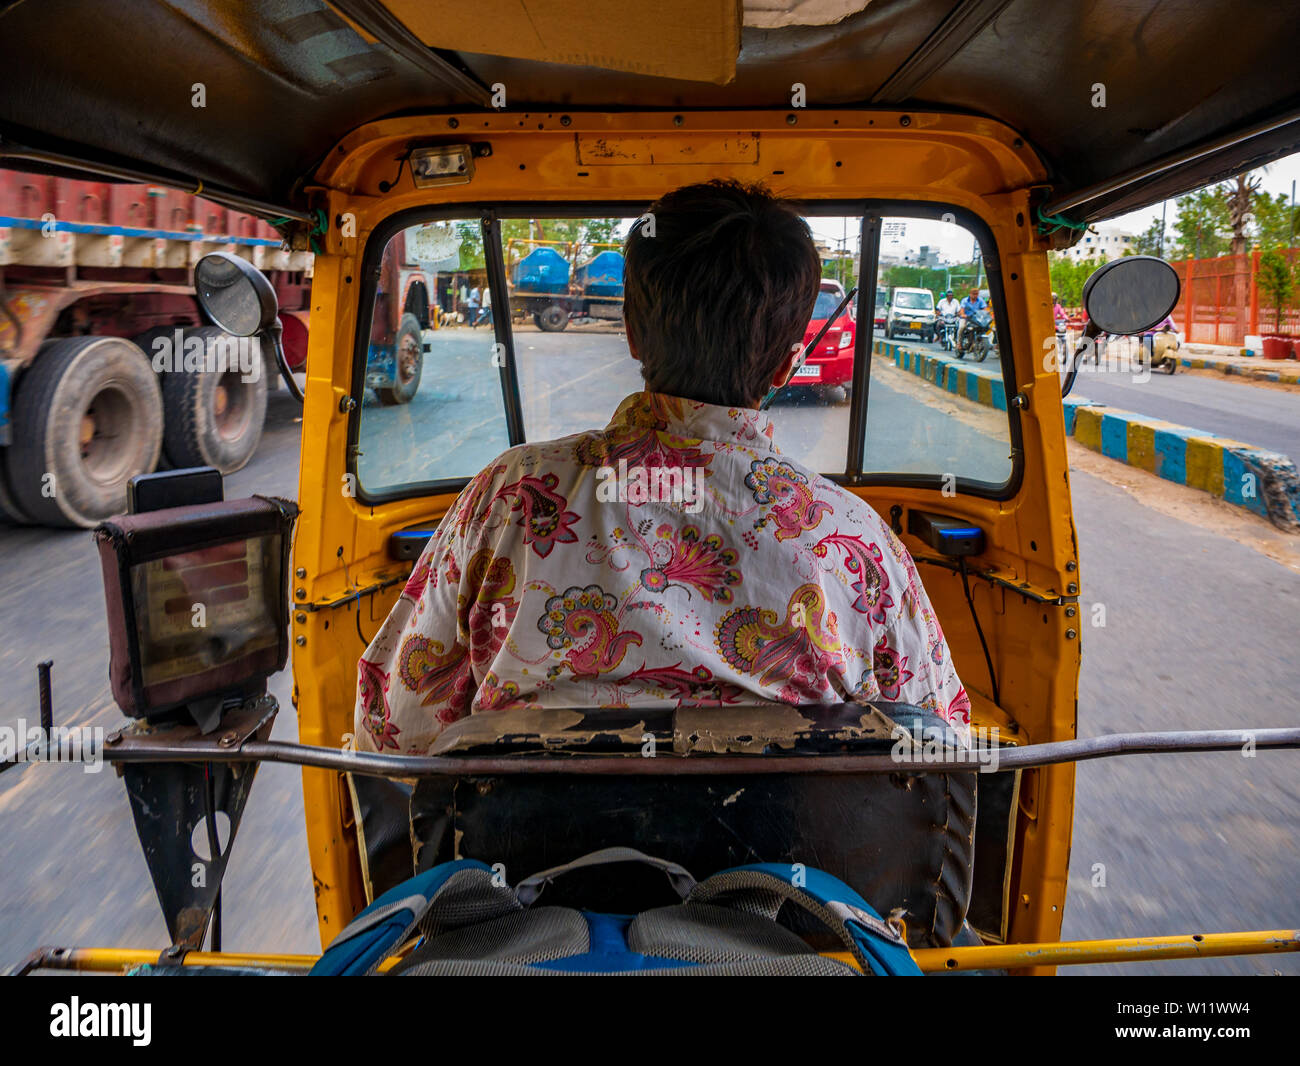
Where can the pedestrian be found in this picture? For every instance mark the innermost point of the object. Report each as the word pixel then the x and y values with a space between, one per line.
pixel 472 304
pixel 485 316
pixel 1059 316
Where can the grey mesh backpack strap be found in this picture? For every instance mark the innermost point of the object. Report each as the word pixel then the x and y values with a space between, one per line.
pixel 530 888
pixel 762 888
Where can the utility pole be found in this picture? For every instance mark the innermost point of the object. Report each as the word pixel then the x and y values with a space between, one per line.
pixel 1291 243
pixel 1163 205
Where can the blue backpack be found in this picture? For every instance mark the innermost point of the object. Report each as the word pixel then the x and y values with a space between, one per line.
pixel 469 922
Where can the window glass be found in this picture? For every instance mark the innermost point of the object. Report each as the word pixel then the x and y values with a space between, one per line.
pixel 936 401
pixel 432 407
pixel 574 366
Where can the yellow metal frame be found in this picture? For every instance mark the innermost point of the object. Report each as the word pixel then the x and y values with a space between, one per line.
pixel 967 162
pixel 929 960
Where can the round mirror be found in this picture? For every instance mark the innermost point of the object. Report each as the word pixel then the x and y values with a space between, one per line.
pixel 1130 295
pixel 235 294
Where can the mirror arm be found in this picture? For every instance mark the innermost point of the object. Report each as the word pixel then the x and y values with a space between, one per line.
pixel 1090 332
pixel 276 332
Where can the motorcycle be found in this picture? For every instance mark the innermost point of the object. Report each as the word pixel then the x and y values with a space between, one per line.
pixel 948 332
pixel 1160 346
pixel 975 338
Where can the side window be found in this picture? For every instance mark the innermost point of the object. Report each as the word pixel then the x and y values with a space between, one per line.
pixel 937 404
pixel 432 406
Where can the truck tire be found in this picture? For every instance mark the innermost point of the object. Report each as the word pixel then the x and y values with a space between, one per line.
pixel 553 319
pixel 213 416
pixel 409 351
pixel 9 508
pixel 88 417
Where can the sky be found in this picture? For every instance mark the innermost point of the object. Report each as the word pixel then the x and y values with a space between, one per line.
pixel 956 243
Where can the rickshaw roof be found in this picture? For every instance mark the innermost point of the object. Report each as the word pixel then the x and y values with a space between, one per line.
pixel 286 80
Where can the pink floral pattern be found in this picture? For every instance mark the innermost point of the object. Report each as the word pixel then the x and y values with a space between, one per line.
pixel 537 593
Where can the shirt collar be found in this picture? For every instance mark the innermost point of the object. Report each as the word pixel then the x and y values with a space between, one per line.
pixel 693 420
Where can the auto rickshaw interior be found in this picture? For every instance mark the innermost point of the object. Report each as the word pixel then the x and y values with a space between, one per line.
pixel 393 158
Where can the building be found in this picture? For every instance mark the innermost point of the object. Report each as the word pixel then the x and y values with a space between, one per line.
pixel 1098 241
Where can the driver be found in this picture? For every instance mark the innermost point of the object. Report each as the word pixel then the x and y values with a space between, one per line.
pixel 948 306
pixel 969 306
pixel 677 556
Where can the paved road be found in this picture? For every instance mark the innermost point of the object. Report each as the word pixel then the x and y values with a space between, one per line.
pixel 571 381
pixel 1267 418
pixel 1201 631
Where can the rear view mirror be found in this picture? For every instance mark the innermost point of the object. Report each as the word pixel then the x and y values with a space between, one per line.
pixel 234 294
pixel 1130 295
pixel 240 299
pixel 1126 296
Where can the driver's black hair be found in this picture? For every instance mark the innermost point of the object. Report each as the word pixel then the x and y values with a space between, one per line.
pixel 719 286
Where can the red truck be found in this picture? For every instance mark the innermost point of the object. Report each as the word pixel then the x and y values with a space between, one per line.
pixel 107 368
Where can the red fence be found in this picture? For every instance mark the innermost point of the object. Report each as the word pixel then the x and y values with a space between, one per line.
pixel 1222 303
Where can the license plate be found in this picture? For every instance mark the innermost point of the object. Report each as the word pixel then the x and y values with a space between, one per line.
pixel 808 372
pixel 916 325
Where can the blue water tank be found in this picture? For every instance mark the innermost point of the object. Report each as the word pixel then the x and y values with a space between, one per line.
pixel 543 270
pixel 602 275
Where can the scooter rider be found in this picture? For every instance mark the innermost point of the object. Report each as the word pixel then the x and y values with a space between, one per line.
pixel 973 303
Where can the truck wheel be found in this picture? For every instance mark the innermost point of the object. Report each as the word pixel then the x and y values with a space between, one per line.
pixel 88 418
pixel 213 416
pixel 553 319
pixel 409 353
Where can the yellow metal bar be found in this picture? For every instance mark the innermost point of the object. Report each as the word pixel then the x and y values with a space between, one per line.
pixel 1130 949
pixel 930 960
pixel 118 960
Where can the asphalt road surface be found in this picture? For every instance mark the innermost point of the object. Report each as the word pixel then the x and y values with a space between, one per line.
pixel 1200 632
pixel 1219 404
pixel 455 425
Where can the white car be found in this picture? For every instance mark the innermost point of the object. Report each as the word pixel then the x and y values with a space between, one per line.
pixel 911 311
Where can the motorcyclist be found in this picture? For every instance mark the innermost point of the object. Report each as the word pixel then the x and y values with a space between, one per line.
pixel 968 307
pixel 948 308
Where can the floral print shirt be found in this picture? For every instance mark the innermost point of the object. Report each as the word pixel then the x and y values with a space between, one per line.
pixel 674 558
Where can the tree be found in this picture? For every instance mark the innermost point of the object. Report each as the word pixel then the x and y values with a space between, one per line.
pixel 1068 275
pixel 471 245
pixel 1239 196
pixel 1276 223
pixel 1203 226
pixel 1277 283
pixel 1151 241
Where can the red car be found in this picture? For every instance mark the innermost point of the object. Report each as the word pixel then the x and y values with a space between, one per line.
pixel 832 362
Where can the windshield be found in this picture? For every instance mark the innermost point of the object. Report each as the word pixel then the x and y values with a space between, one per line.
pixel 454 369
pixel 919 301
pixel 826 304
